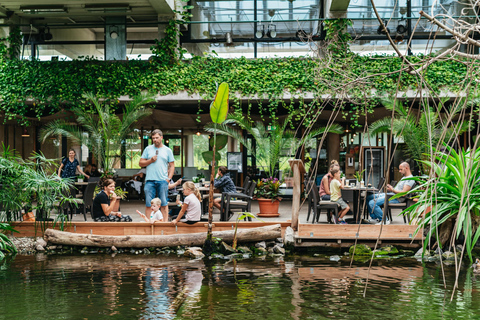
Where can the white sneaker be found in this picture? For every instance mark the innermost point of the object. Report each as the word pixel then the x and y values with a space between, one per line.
pixel 373 221
pixel 380 222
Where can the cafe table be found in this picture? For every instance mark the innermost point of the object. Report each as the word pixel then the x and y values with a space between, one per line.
pixel 353 195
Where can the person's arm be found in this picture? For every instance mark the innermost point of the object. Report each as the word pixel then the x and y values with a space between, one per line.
pixel 84 174
pixel 145 162
pixel 180 214
pixel 60 169
pixel 171 170
pixel 326 185
pixel 219 182
pixel 107 209
pixel 143 216
pixel 175 184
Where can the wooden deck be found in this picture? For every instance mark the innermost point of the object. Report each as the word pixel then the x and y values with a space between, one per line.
pixel 308 235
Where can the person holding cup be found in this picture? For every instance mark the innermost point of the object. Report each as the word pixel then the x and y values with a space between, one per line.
pixel 102 208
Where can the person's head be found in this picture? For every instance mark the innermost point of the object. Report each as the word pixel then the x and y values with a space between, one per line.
pixel 404 169
pixel 155 204
pixel 334 163
pixel 72 153
pixel 222 170
pixel 189 188
pixel 335 172
pixel 108 186
pixel 94 167
pixel 157 136
pixel 88 168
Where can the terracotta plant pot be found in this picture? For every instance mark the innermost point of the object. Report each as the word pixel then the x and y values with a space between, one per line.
pixel 268 208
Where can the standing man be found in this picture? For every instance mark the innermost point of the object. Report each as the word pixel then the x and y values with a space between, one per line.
pixel 159 162
pixel 375 201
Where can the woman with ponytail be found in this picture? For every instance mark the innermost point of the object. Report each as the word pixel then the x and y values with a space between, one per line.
pixel 191 204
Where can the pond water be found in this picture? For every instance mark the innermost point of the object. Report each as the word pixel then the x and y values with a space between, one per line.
pixel 160 287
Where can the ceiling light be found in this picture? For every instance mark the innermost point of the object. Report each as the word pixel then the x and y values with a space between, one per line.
pixel 401 28
pixel 260 31
pixel 198 133
pixel 106 7
pixel 39 9
pixel 301 34
pixel 229 39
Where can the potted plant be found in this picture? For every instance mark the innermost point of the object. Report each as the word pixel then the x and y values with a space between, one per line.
pixel 267 194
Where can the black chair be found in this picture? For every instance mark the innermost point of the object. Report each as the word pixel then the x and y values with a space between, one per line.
pixel 236 201
pixel 132 192
pixel 245 185
pixel 402 205
pixel 94 179
pixel 87 201
pixel 318 205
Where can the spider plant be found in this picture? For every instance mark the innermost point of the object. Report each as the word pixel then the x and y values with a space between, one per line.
pixel 449 201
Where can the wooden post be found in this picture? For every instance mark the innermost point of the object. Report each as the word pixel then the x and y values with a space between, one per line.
pixel 298 170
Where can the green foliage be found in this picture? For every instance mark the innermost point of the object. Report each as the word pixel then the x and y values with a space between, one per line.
pixel 25 180
pixel 268 188
pixel 10 46
pixel 119 192
pixel 337 37
pixel 106 131
pixel 167 51
pixel 53 86
pixel 241 216
pixel 6 245
pixel 419 133
pixel 452 192
pixel 269 143
pixel 219 105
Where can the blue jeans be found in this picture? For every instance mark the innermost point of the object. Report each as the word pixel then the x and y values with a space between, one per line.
pixel 152 188
pixel 374 202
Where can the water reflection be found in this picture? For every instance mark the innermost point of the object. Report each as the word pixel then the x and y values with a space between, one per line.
pixel 159 287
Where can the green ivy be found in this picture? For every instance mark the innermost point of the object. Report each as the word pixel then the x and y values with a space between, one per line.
pixel 337 37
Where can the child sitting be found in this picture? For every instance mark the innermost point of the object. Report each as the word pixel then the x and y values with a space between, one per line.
pixel 156 214
pixel 191 204
pixel 336 194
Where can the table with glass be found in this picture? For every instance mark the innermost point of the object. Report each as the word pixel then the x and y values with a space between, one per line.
pixel 353 195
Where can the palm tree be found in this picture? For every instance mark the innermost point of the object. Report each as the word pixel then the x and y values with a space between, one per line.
pixel 269 143
pixel 419 134
pixel 105 131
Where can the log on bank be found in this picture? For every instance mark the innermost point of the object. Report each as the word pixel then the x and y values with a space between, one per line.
pixel 144 241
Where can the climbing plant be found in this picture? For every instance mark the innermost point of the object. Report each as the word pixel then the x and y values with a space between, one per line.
pixel 167 51
pixel 10 46
pixel 337 37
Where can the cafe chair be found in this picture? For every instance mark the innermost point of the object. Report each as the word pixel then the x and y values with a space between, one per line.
pixel 317 205
pixel 402 205
pixel 236 201
pixel 245 185
pixel 86 203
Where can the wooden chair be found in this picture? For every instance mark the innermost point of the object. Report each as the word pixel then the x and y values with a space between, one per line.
pixel 318 205
pixel 236 201
pixel 402 205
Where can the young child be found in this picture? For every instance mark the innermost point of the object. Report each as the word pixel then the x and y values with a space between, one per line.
pixel 191 204
pixel 336 194
pixel 156 214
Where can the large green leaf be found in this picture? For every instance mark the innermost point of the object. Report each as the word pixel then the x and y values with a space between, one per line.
pixel 221 142
pixel 208 156
pixel 219 106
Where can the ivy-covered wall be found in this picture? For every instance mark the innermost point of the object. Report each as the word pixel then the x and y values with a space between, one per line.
pixel 53 85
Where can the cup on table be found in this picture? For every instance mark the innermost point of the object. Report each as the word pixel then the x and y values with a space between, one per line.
pixel 352 185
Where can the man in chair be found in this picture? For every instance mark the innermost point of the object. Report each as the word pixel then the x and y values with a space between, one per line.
pixel 375 201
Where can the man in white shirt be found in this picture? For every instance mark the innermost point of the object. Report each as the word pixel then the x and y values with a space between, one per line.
pixel 375 201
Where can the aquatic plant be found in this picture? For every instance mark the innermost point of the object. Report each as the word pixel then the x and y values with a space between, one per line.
pixel 6 245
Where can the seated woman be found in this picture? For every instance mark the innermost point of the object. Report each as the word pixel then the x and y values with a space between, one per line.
pixel 102 208
pixel 224 183
pixel 191 204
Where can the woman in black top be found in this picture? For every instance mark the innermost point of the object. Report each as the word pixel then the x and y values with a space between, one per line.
pixel 102 208
pixel 70 166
